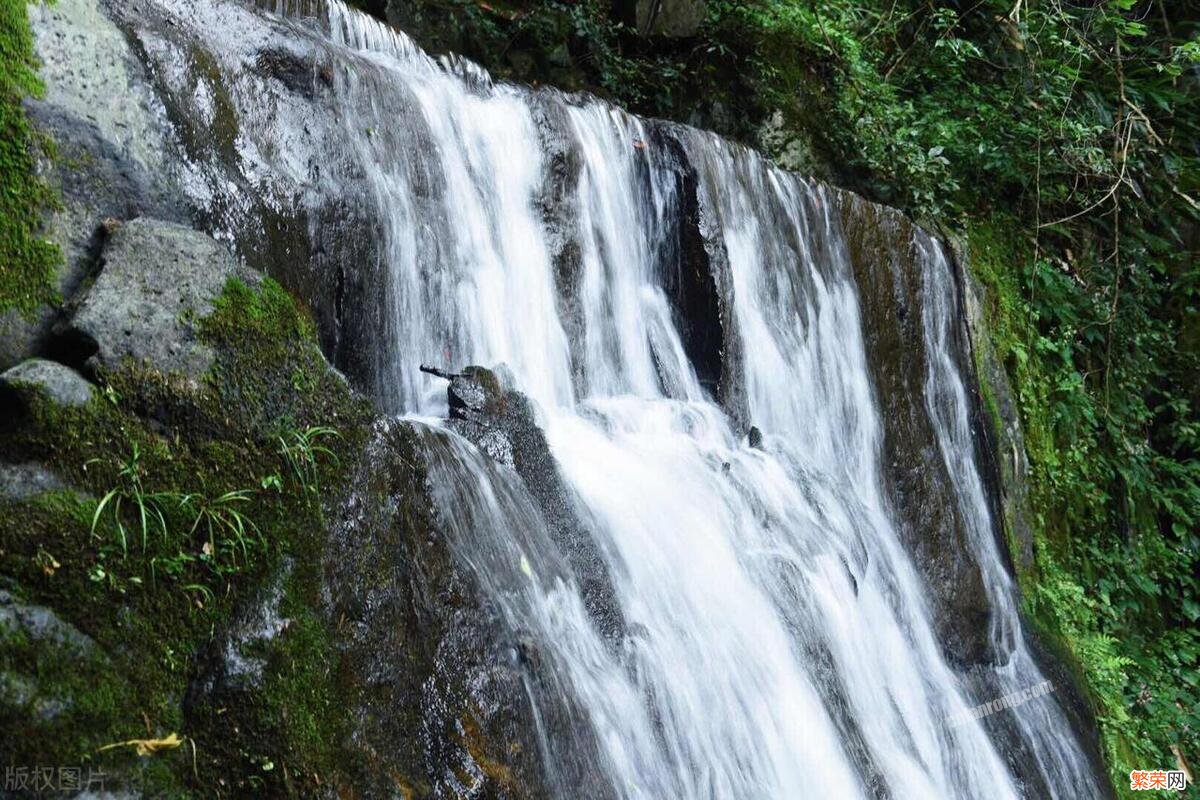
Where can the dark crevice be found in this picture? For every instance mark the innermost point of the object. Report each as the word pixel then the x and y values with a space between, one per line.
pixel 686 271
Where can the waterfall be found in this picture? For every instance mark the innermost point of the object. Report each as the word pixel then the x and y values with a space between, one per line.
pixel 1040 723
pixel 777 639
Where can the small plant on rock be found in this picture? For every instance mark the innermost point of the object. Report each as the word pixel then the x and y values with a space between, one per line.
pixel 222 520
pixel 303 449
pixel 149 508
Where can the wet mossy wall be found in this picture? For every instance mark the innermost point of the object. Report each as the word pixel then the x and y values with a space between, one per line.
pixel 28 263
pixel 154 603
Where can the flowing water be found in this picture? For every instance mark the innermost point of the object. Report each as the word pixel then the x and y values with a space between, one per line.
pixel 777 639
pixel 1040 723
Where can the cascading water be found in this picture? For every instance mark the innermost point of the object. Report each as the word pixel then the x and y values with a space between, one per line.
pixel 1040 723
pixel 776 638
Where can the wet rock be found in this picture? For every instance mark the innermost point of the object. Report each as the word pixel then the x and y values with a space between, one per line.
pixel 754 438
pixel 915 478
pixel 693 268
pixel 1005 465
pixel 502 423
pixel 61 384
pixel 96 181
pixel 298 73
pixel 437 700
pixel 157 279
pixel 90 72
pixel 20 481
pixel 285 206
pixel 557 198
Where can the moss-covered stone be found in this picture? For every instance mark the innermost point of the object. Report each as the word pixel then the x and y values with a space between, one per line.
pixel 28 263
pixel 150 596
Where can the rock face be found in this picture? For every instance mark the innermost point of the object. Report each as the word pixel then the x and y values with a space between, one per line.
pixel 1005 469
pixel 233 663
pixel 61 384
pixel 157 279
pixel 502 423
pixel 1007 439
pixel 439 688
pixel 671 18
pixel 695 274
pixel 889 283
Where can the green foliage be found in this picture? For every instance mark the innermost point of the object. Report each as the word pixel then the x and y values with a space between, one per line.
pixel 190 528
pixel 1116 551
pixel 28 263
pixel 302 449
pixel 129 492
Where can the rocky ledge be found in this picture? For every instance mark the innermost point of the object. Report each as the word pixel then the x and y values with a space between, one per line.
pixel 206 534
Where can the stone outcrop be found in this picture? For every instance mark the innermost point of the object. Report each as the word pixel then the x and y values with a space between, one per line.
pixel 437 693
pixel 1006 438
pixel 501 422
pixel 889 284
pixel 156 281
pixel 60 383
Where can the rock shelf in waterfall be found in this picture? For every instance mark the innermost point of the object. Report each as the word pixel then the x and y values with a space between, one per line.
pixel 695 504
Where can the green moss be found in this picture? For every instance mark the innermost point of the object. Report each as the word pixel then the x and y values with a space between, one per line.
pixel 269 370
pixel 152 608
pixel 221 132
pixel 129 686
pixel 28 263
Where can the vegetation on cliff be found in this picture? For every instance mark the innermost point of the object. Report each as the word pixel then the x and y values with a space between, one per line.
pixel 27 261
pixel 180 509
pixel 1061 140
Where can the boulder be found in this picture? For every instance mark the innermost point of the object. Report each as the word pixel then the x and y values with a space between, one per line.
pixel 157 279
pixel 110 149
pixel 20 481
pixel 60 383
